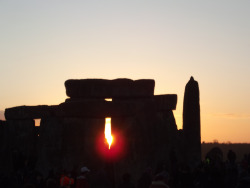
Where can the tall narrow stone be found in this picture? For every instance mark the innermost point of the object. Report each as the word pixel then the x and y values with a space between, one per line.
pixel 191 122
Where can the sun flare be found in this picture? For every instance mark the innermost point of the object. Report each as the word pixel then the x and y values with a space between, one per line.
pixel 107 131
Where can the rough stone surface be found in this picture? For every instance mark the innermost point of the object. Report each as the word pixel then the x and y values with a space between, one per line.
pixel 102 109
pixel 100 88
pixel 50 144
pixel 191 110
pixel 29 112
pixel 66 143
pixel 71 135
pixel 191 121
pixel 165 102
pixel 19 144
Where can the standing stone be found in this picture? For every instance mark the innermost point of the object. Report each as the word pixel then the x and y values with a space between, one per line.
pixel 71 134
pixel 19 146
pixel 191 122
pixel 50 145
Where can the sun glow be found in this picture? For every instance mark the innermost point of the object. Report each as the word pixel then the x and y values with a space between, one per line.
pixel 108 99
pixel 107 131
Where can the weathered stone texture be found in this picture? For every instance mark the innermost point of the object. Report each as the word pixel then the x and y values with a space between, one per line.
pixel 71 134
pixel 191 122
pixel 50 144
pixel 100 88
pixel 20 134
pixel 66 143
pixel 29 112
pixel 191 110
pixel 165 102
pixel 19 144
pixel 102 109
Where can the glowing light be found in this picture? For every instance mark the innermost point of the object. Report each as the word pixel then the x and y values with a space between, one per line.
pixel 37 122
pixel 107 131
pixel 108 99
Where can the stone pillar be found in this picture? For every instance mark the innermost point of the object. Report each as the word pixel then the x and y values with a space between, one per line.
pixel 18 146
pixel 191 123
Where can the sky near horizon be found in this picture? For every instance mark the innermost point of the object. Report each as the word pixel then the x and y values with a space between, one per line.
pixel 44 43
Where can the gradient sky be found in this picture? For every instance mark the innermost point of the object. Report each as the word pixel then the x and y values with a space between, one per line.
pixel 44 43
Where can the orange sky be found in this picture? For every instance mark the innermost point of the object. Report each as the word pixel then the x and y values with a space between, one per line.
pixel 44 43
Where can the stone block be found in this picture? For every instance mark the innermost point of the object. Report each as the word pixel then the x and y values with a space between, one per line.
pixel 165 102
pixel 101 88
pixel 29 112
pixel 18 146
pixel 102 109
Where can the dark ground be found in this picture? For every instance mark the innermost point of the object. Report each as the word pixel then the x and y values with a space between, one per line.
pixel 239 148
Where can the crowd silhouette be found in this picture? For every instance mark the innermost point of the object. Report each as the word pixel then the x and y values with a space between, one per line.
pixel 212 172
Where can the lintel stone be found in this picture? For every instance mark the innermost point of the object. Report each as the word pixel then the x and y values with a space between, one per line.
pixel 29 112
pixel 102 88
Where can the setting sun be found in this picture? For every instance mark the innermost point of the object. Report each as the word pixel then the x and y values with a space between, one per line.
pixel 107 131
